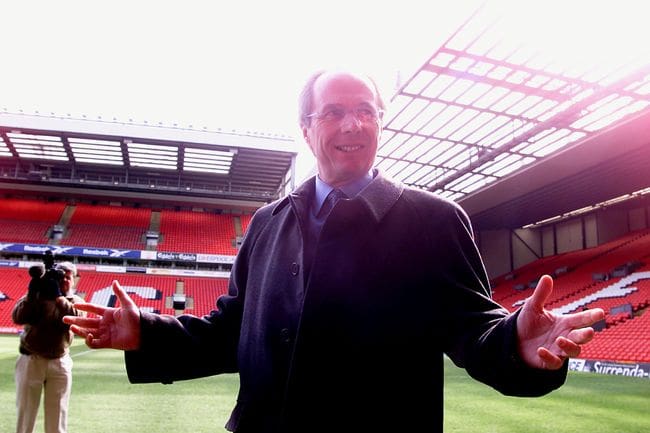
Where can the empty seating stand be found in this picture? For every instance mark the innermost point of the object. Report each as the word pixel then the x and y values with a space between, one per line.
pixel 13 285
pixel 245 221
pixel 107 226
pixel 149 292
pixel 197 232
pixel 96 286
pixel 632 340
pixel 28 221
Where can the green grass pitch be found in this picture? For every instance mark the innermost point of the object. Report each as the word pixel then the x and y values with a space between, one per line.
pixel 103 401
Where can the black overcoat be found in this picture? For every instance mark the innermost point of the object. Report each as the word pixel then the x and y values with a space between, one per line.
pixel 357 345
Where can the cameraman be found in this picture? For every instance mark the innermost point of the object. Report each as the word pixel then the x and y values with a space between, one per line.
pixel 44 361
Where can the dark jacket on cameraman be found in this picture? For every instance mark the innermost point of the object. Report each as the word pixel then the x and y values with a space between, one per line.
pixel 44 333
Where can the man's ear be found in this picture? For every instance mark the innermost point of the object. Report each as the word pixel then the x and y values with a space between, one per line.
pixel 305 136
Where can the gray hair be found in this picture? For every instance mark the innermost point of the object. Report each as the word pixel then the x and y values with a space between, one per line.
pixel 306 97
pixel 68 267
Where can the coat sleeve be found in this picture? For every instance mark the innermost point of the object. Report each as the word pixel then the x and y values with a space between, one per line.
pixel 187 346
pixel 480 335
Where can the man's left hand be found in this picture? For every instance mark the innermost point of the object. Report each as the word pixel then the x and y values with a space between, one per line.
pixel 546 339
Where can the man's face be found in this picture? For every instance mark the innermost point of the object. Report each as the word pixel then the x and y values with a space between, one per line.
pixel 67 282
pixel 344 132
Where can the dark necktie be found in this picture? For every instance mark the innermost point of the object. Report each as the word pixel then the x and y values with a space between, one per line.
pixel 329 202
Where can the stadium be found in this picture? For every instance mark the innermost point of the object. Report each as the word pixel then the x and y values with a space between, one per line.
pixel 550 164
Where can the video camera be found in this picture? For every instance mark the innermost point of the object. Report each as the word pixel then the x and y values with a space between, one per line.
pixel 46 278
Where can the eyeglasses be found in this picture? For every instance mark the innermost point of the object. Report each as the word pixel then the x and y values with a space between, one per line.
pixel 337 114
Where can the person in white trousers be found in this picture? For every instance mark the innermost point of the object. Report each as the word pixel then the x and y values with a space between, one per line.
pixel 44 365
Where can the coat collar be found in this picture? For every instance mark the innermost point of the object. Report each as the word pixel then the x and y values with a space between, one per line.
pixel 378 197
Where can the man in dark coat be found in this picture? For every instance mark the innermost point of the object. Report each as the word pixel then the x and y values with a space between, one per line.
pixel 339 312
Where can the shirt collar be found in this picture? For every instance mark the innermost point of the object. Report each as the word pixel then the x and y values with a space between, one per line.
pixel 351 189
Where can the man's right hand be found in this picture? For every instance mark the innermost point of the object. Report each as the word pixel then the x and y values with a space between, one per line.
pixel 115 328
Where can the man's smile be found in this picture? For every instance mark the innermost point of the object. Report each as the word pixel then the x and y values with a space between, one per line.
pixel 349 147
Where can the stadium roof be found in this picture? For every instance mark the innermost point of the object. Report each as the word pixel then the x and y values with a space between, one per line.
pixel 226 168
pixel 490 104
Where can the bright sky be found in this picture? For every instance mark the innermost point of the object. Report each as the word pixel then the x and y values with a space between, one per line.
pixel 230 65
pixel 240 64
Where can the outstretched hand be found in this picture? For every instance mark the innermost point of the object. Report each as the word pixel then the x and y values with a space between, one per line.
pixel 547 339
pixel 115 328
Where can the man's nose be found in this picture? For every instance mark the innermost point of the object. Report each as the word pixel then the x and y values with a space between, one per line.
pixel 350 122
